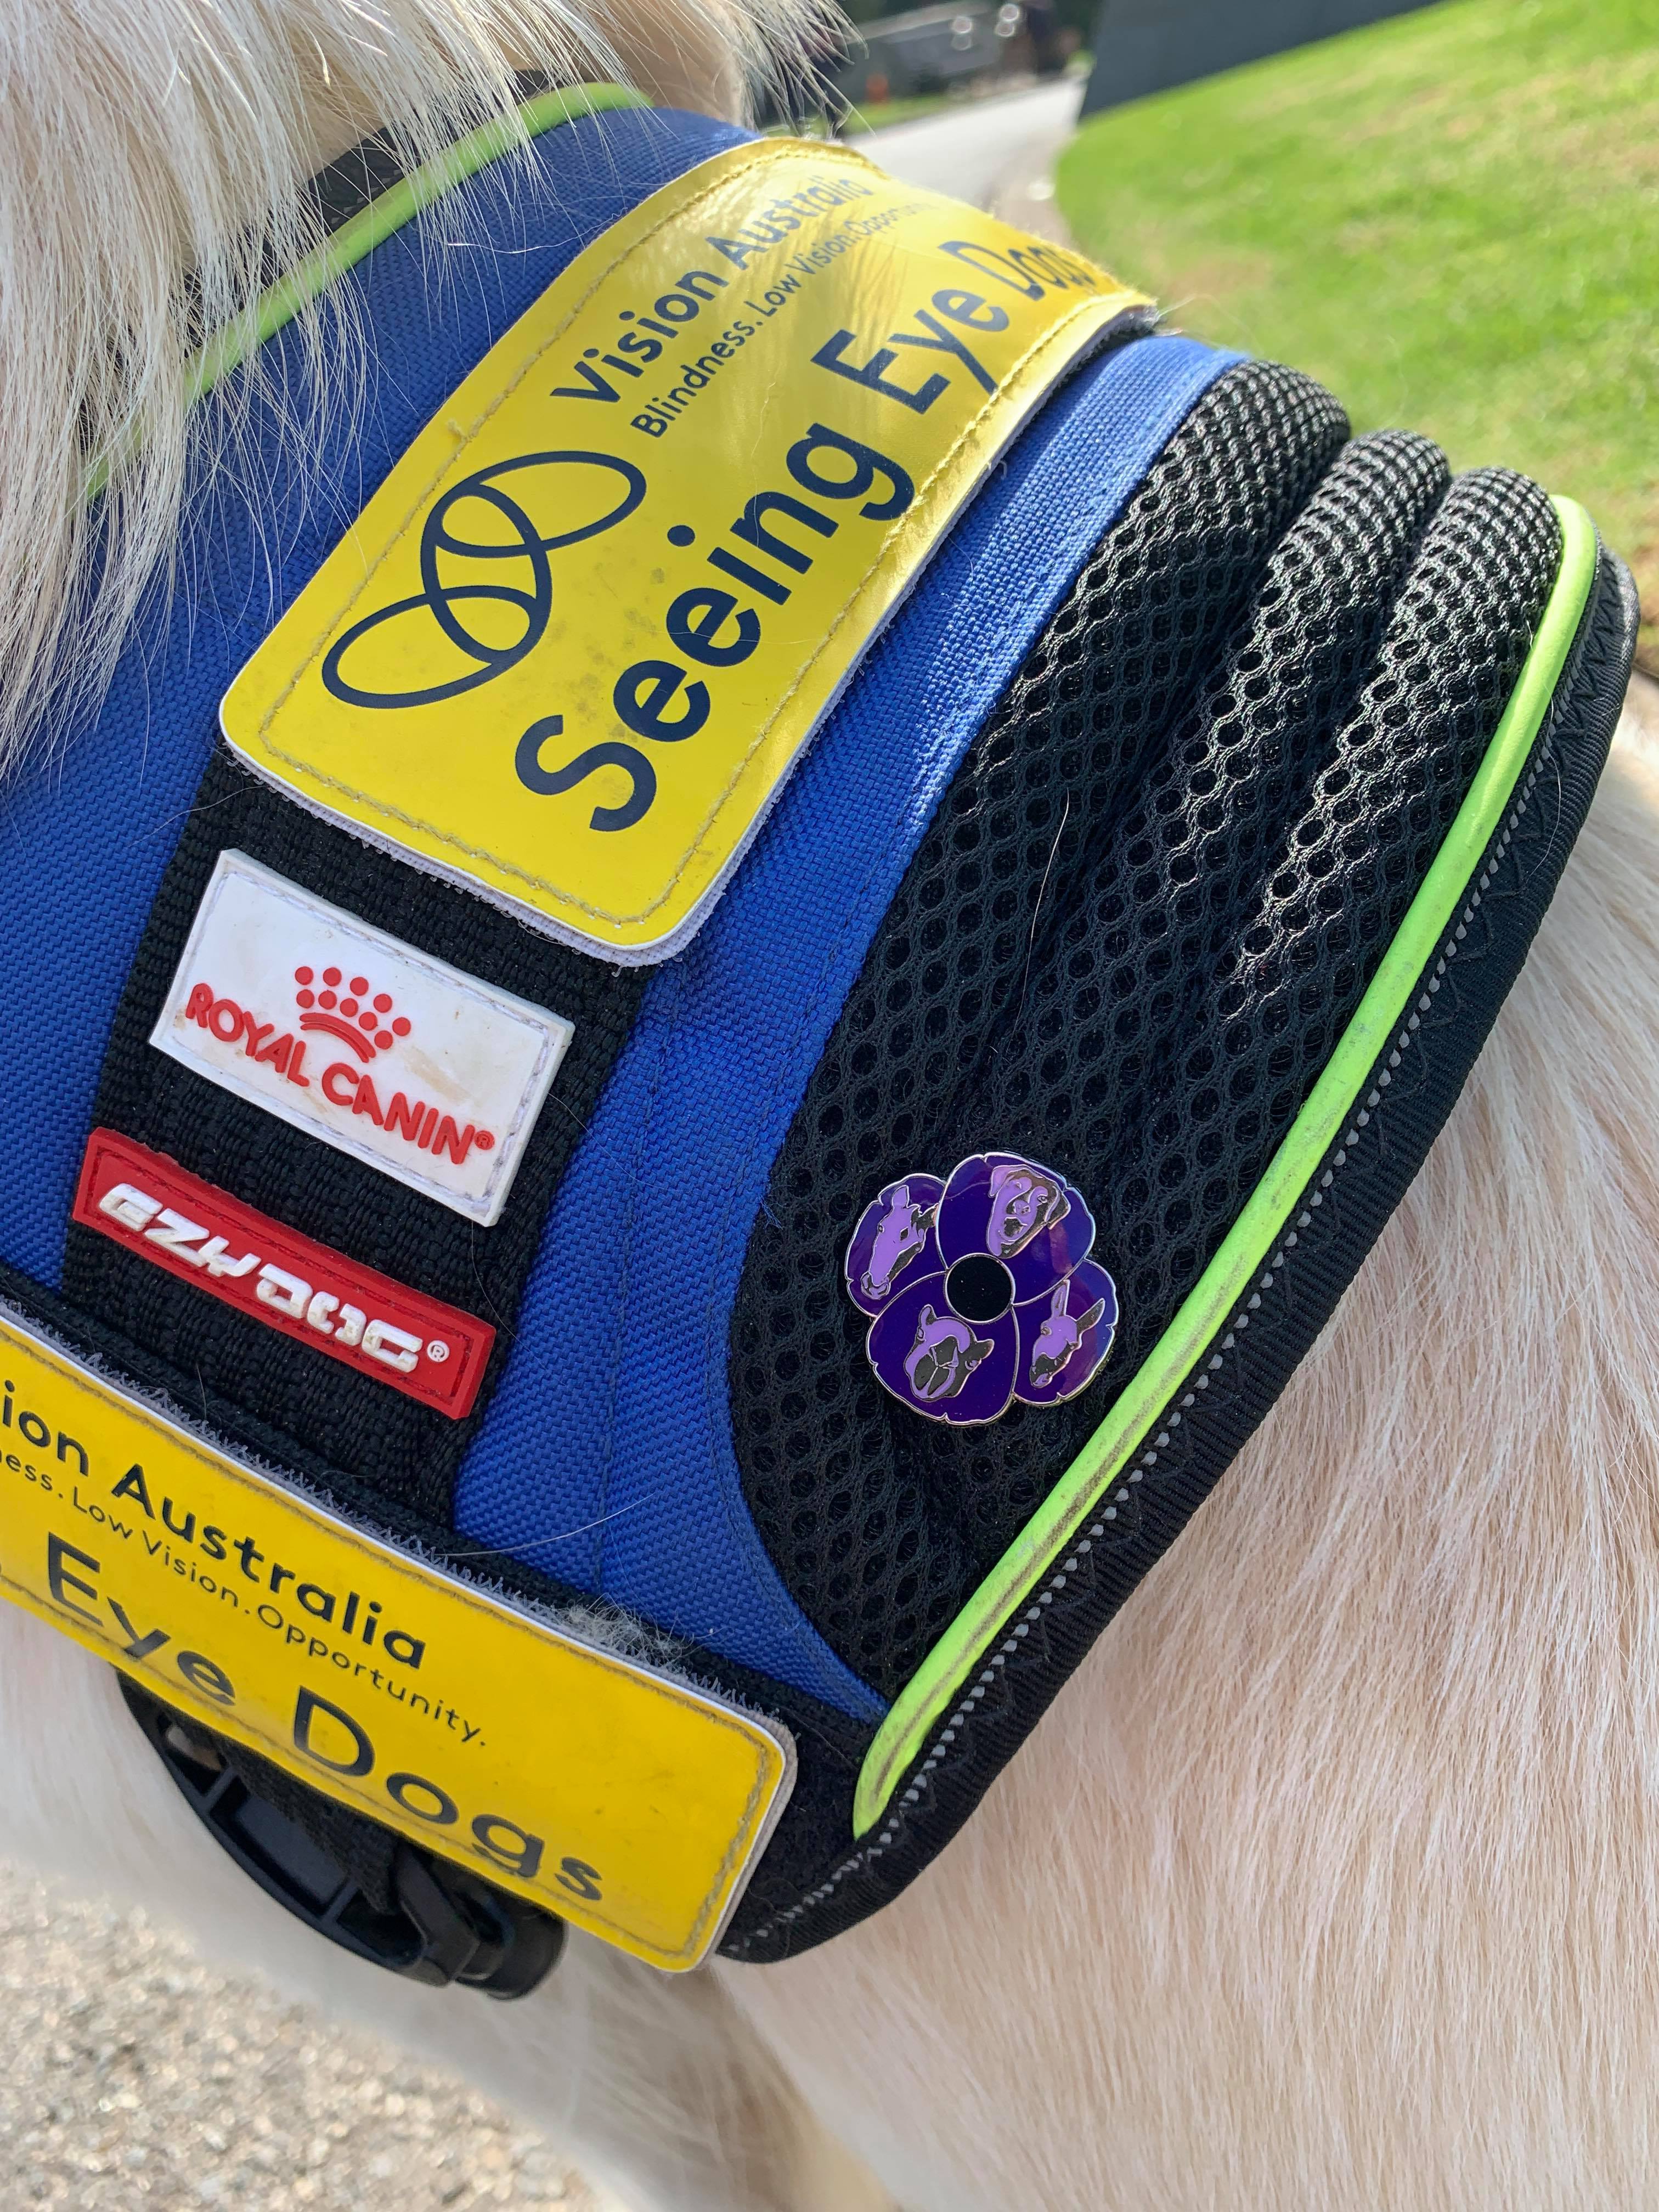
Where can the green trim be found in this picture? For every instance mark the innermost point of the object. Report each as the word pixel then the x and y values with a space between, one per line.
pixel 308 279
pixel 409 197
pixel 1254 1235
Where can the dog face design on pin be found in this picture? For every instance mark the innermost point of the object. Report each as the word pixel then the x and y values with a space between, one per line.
pixel 1024 1199
pixel 943 1356
pixel 980 1289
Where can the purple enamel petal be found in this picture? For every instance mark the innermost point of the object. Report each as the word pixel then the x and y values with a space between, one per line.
pixel 1018 1211
pixel 1054 1250
pixel 894 1241
pixel 964 1210
pixel 1063 1338
pixel 939 1365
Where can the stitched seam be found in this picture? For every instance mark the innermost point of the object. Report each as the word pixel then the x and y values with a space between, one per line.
pixel 742 1844
pixel 1050 338
pixel 541 882
pixel 789 1614
pixel 507 391
pixel 306 903
pixel 107 1388
pixel 1311 1135
pixel 900 845
pixel 625 1282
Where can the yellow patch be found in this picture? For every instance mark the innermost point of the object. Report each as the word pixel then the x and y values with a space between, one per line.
pixel 629 1805
pixel 581 634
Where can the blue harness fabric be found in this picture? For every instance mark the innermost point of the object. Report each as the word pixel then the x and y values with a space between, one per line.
pixel 1182 603
pixel 85 839
pixel 727 1038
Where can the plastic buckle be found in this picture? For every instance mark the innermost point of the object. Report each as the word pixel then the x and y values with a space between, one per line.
pixel 451 1927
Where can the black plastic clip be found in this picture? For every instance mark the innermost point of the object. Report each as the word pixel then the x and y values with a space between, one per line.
pixel 450 1926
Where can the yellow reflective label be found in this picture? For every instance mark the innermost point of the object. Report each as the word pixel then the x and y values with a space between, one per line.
pixel 626 1803
pixel 580 634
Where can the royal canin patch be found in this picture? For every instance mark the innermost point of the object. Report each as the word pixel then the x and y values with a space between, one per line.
pixel 421 1072
pixel 149 1204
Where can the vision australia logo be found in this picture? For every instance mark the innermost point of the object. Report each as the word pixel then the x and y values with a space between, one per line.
pixel 471 623
pixel 448 621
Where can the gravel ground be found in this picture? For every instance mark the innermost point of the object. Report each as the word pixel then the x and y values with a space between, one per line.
pixel 133 2076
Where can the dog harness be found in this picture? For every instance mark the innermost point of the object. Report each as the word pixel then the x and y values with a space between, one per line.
pixel 711 1012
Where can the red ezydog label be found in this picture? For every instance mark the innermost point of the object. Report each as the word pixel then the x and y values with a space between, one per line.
pixel 149 1204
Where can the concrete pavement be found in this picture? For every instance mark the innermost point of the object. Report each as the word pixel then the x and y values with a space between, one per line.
pixel 984 150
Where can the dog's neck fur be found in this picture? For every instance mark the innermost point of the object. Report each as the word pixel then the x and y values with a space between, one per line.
pixel 143 139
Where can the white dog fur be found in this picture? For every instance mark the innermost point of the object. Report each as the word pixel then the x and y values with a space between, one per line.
pixel 1331 1879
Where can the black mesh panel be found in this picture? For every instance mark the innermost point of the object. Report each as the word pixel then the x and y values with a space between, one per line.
pixel 1077 727
pixel 1112 952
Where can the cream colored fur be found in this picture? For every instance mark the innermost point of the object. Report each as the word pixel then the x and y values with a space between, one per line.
pixel 1331 1881
pixel 140 139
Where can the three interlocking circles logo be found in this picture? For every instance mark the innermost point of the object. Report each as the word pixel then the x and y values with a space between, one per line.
pixel 459 606
pixel 441 599
pixel 488 585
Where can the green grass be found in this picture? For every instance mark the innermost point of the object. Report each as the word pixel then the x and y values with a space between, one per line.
pixel 1452 219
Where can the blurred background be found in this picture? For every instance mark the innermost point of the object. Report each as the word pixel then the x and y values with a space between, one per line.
pixel 1448 213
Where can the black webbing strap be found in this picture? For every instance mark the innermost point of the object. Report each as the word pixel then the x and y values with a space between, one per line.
pixel 1241 608
pixel 398 1451
pixel 395 1447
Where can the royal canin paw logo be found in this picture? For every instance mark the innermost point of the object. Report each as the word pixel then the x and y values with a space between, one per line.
pixel 416 1069
pixel 368 1025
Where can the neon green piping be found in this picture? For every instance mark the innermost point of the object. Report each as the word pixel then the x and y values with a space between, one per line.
pixel 1256 1232
pixel 282 302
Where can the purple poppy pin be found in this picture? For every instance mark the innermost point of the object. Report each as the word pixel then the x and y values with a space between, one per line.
pixel 980 1289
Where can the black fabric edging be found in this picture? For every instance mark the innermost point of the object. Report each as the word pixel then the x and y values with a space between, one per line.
pixel 828 1748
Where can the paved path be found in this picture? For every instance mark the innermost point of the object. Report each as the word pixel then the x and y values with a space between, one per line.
pixel 982 149
pixel 135 2079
